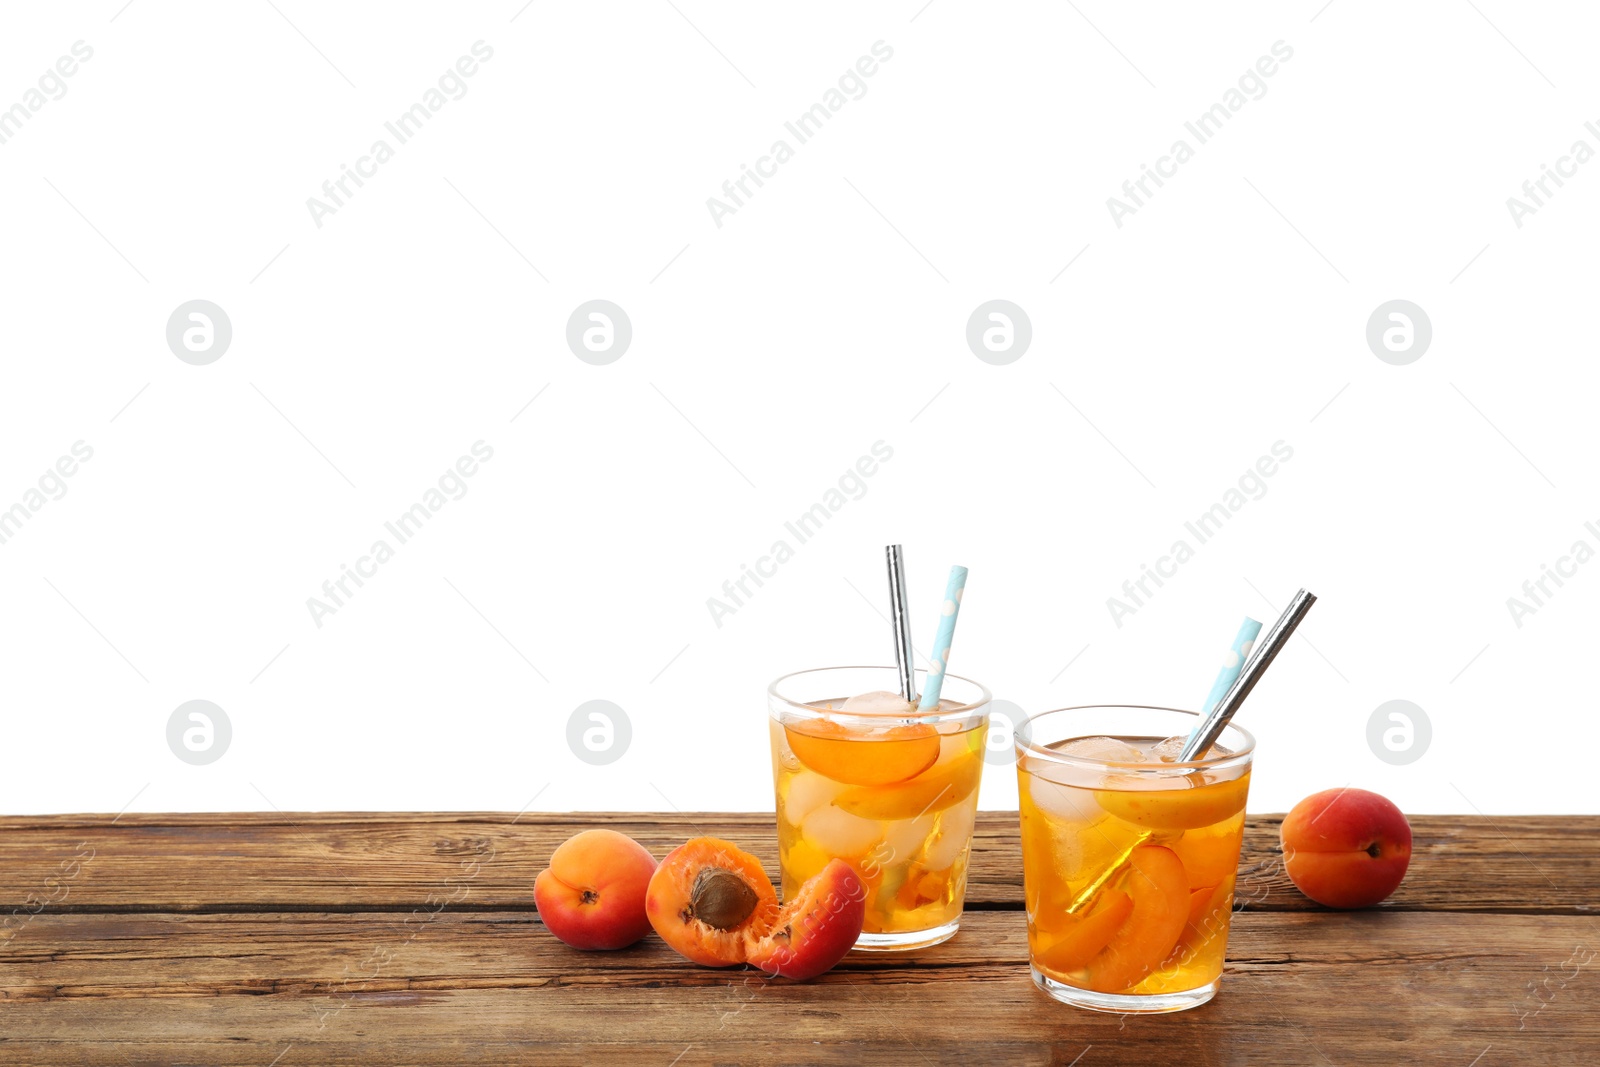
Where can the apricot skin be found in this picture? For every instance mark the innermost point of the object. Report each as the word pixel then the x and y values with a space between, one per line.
pixel 1346 848
pixel 1161 907
pixel 815 929
pixel 1084 937
pixel 592 894
pixel 835 751
pixel 1177 809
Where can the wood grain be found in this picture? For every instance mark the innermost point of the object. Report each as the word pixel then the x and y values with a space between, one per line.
pixel 339 861
pixel 1355 988
pixel 398 938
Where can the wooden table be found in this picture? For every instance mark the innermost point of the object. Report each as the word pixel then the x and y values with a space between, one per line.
pixel 412 938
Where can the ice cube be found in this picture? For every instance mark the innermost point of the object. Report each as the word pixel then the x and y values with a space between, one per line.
pixel 1066 849
pixel 1104 749
pixel 839 833
pixel 1168 751
pixel 1081 853
pixel 904 839
pixel 1063 801
pixel 955 830
pixel 879 702
pixel 805 792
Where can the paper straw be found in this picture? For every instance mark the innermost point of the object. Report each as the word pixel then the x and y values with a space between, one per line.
pixel 899 618
pixel 941 641
pixel 1233 664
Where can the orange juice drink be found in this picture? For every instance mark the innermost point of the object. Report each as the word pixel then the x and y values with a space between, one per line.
pixel 1128 857
pixel 894 792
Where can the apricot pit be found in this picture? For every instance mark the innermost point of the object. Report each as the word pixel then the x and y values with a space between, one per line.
pixel 720 898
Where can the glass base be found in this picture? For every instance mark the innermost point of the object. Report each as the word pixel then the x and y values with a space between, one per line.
pixel 1123 1003
pixel 901 941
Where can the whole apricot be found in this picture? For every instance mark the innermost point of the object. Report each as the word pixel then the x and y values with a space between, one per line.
pixel 592 894
pixel 1346 848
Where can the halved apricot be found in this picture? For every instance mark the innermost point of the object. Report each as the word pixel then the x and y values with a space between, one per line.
pixel 860 757
pixel 1071 941
pixel 1161 905
pixel 712 902
pixel 935 790
pixel 707 898
pixel 1176 809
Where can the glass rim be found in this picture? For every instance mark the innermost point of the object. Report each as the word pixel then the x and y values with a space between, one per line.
pixel 963 711
pixel 1023 738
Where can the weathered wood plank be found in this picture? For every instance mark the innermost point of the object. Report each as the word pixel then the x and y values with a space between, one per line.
pixel 297 988
pixel 335 861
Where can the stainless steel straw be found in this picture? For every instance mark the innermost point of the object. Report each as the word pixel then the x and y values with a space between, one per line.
pixel 902 624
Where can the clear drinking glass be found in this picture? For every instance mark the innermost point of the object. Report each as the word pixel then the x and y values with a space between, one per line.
pixel 893 795
pixel 1128 861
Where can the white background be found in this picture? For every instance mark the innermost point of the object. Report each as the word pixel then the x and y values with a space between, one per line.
pixel 828 313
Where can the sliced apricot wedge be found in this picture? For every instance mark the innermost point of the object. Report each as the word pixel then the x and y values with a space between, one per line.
pixel 1074 940
pixel 1161 906
pixel 861 757
pixel 933 790
pixel 815 928
pixel 1176 809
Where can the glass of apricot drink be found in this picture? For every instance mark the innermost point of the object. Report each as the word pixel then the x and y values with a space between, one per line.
pixel 1128 857
pixel 893 792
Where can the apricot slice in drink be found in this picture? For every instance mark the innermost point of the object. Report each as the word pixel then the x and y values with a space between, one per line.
pixel 1161 905
pixel 1199 904
pixel 937 789
pixel 857 757
pixel 922 886
pixel 1176 809
pixel 1209 856
pixel 1074 940
pixel 1205 907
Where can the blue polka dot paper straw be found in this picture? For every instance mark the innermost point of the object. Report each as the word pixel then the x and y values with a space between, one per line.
pixel 1233 664
pixel 941 641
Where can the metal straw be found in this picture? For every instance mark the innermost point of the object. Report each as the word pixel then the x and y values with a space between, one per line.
pixel 902 624
pixel 1211 727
